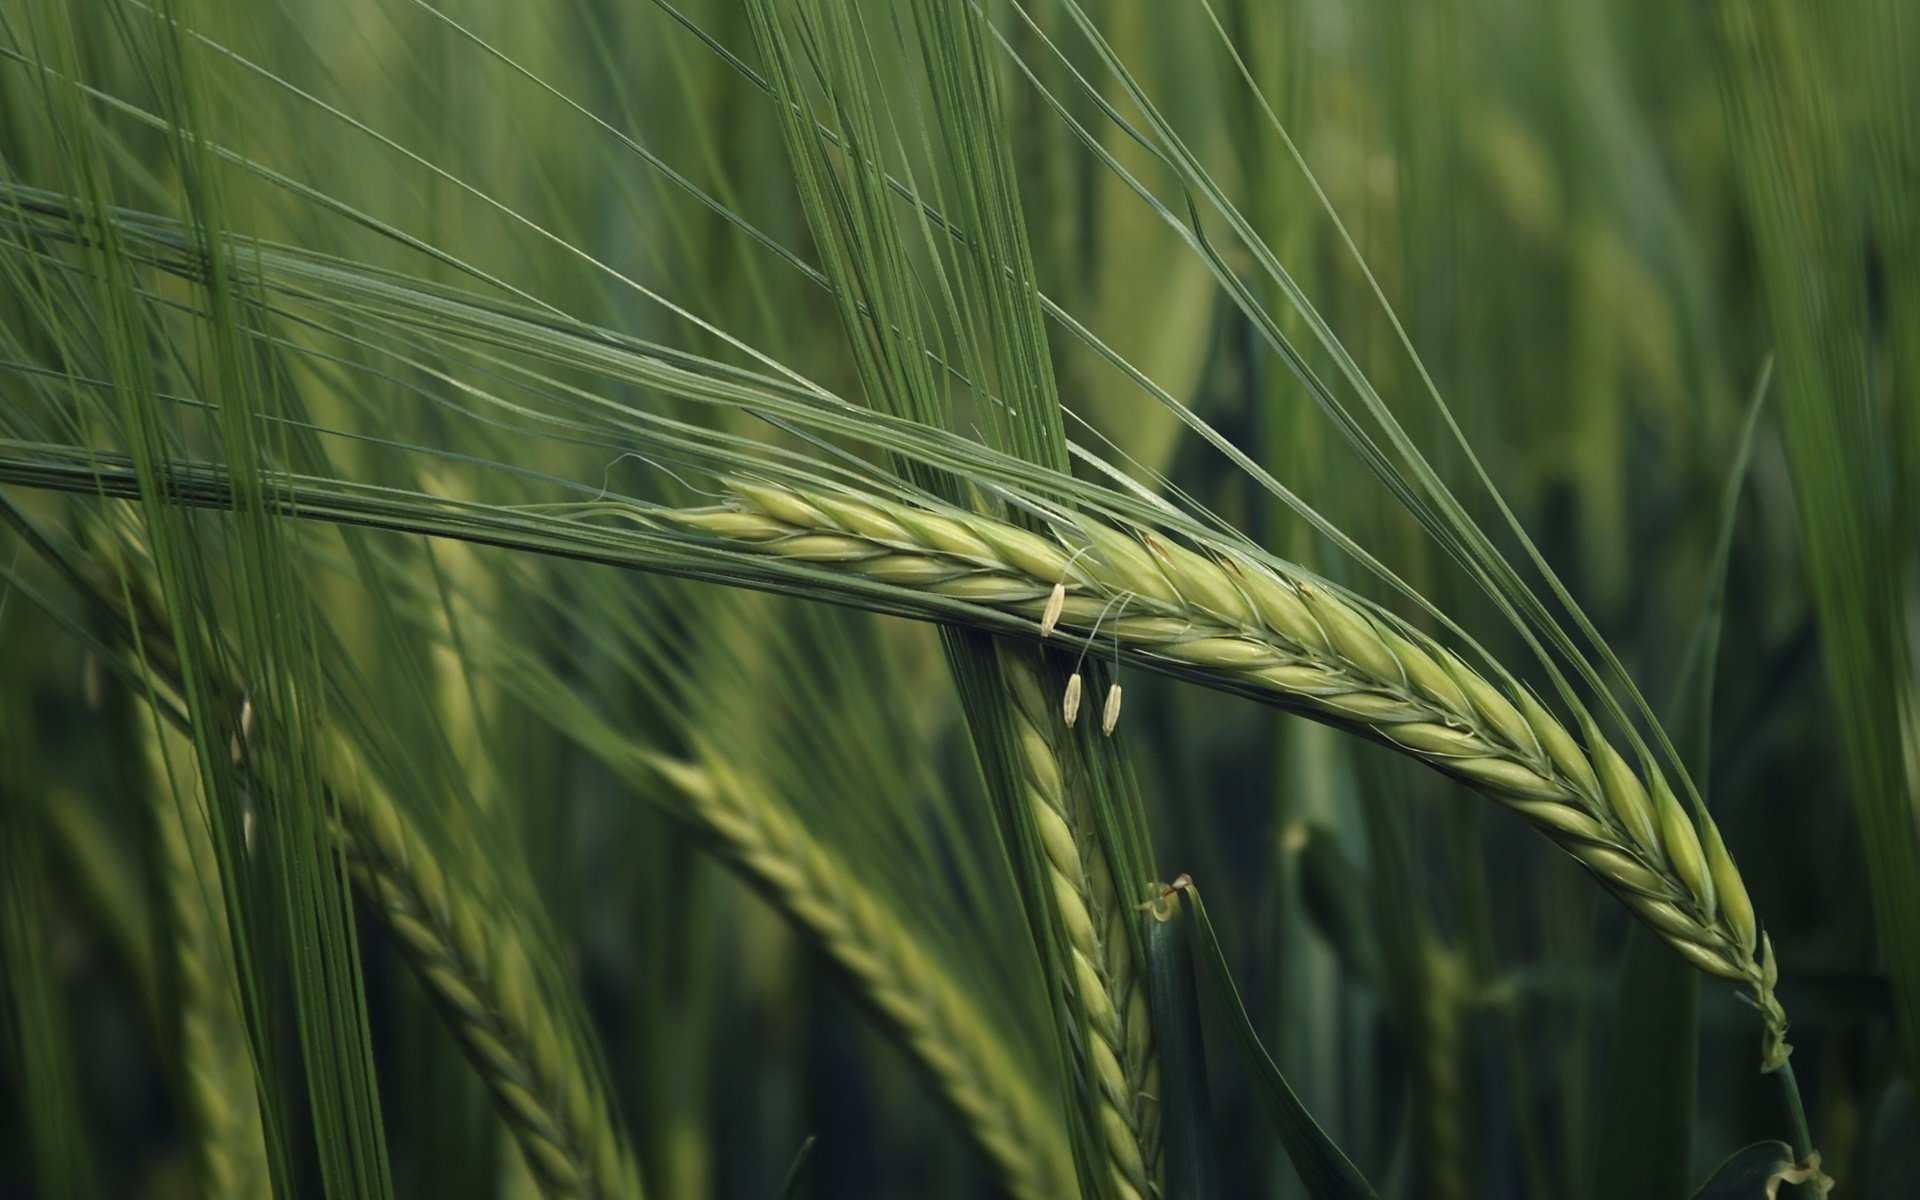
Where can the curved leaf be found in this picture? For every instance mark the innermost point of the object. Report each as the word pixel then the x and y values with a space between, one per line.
pixel 1325 1170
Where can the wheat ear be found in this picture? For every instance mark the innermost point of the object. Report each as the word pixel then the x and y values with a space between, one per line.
pixel 1114 1034
pixel 216 1062
pixel 1308 647
pixel 913 992
pixel 476 966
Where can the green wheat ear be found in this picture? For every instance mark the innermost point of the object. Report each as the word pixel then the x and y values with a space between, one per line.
pixel 216 1062
pixel 476 965
pixel 930 1011
pixel 1114 1034
pixel 1308 647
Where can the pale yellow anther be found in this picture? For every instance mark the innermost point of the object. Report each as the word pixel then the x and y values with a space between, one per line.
pixel 1110 711
pixel 1070 707
pixel 1056 601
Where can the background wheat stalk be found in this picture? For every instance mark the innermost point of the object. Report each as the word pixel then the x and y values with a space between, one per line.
pixel 469 953
pixel 216 1061
pixel 475 964
pixel 473 961
pixel 1307 646
pixel 929 1010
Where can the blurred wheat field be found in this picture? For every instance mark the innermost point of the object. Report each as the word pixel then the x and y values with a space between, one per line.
pixel 684 599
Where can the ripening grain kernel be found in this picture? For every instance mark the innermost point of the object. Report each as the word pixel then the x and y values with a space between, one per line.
pixel 1027 553
pixel 1563 820
pixel 949 535
pixel 1429 738
pixel 1152 630
pixel 780 503
pixel 1228 654
pixel 1354 637
pixel 1371 707
pixel 1509 778
pixel 1426 675
pixel 1561 749
pixel 828 548
pixel 735 525
pixel 1301 679
pixel 1624 793
pixel 1493 706
pixel 1706 960
pixel 1684 854
pixel 986 588
pixel 865 520
pixel 1202 583
pixel 1623 869
pixel 1124 565
pixel 1283 611
pixel 1735 906
pixel 909 570
pixel 1665 917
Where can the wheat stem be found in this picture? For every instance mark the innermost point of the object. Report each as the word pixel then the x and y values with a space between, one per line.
pixel 1308 647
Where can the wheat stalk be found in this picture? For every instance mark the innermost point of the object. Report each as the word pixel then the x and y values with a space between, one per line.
pixel 1308 647
pixel 476 966
pixel 911 990
pixel 1102 984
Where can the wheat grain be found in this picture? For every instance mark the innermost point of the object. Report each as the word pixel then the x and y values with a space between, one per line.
pixel 1306 646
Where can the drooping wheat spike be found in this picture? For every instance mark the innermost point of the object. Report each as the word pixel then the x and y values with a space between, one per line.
pixel 475 964
pixel 929 1009
pixel 216 1062
pixel 1310 648
pixel 1102 986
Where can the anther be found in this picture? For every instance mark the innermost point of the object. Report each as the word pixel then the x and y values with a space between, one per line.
pixel 1070 708
pixel 1056 601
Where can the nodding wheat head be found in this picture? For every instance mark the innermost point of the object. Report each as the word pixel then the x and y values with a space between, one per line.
pixel 1311 648
pixel 478 967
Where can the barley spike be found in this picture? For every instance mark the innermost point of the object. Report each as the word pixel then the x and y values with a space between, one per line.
pixel 929 1009
pixel 1103 988
pixel 477 967
pixel 1304 646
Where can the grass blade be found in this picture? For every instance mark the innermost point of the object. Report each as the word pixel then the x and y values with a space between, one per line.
pixel 1323 1168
